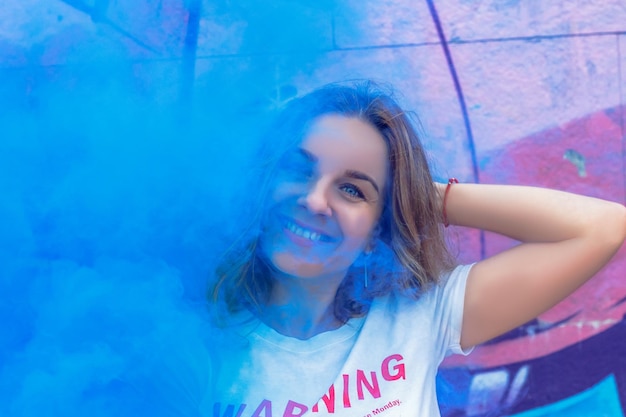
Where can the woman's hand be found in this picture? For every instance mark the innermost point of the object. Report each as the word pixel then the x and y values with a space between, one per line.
pixel 566 239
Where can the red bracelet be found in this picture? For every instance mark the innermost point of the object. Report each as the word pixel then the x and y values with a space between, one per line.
pixel 445 199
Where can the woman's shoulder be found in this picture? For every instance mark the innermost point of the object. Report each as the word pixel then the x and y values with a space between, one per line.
pixel 448 288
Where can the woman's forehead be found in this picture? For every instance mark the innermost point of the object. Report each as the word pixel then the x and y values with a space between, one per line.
pixel 348 143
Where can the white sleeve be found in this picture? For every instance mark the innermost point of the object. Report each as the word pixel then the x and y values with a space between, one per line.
pixel 449 302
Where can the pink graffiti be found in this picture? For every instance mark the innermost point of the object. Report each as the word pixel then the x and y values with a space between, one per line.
pixel 582 156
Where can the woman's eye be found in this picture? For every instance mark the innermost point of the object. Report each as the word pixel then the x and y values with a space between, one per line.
pixel 352 191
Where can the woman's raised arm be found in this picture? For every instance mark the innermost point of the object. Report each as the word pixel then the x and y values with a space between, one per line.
pixel 566 239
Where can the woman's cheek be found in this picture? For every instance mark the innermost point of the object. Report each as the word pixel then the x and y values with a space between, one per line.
pixel 360 224
pixel 285 190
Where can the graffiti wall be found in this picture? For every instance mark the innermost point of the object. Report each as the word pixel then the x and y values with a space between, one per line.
pixel 116 114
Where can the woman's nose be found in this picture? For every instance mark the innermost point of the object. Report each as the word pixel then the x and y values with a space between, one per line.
pixel 315 198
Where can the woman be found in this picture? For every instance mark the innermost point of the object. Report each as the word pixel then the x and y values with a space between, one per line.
pixel 345 299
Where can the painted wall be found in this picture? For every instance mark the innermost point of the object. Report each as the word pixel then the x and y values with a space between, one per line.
pixel 96 94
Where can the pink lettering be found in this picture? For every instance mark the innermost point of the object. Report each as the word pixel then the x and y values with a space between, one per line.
pixel 399 368
pixel 346 392
pixel 291 408
pixel 361 380
pixel 328 399
pixel 265 407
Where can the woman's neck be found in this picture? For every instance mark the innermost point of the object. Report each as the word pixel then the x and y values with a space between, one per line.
pixel 302 307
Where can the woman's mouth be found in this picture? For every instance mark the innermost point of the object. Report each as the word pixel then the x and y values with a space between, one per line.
pixel 305 233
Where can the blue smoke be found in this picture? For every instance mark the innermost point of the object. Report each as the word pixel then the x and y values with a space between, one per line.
pixel 117 198
pixel 107 240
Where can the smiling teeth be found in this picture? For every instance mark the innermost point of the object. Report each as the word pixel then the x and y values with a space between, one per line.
pixel 307 234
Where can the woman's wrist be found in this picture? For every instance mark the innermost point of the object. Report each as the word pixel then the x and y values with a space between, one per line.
pixel 443 192
pixel 446 193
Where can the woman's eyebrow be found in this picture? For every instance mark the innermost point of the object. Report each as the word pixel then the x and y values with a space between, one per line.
pixel 308 155
pixel 361 176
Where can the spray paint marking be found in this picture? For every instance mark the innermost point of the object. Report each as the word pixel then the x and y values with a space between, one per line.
pixel 577 160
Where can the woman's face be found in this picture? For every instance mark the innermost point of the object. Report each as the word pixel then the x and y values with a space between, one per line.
pixel 327 199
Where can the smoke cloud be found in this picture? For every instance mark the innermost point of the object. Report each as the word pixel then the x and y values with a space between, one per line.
pixel 117 197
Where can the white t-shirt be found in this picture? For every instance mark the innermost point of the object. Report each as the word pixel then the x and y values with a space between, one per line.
pixel 381 364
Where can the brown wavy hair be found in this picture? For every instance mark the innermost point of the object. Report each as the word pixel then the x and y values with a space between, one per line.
pixel 410 251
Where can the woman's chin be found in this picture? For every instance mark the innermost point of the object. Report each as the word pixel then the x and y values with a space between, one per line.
pixel 287 264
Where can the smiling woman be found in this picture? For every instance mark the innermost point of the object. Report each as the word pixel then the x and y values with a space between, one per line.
pixel 343 156
pixel 342 298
